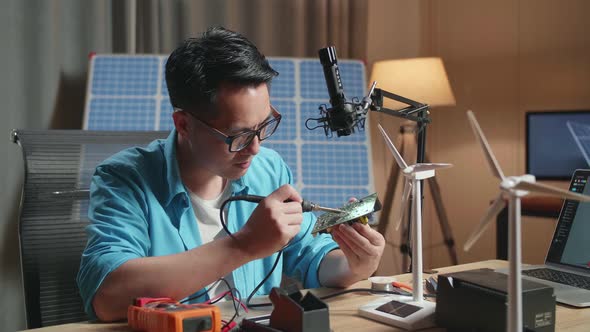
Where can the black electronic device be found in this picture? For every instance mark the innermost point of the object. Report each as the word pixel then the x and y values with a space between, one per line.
pixel 476 300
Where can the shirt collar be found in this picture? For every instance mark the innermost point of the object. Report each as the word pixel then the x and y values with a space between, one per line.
pixel 239 186
pixel 173 179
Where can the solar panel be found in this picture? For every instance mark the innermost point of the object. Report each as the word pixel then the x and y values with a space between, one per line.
pixel 128 92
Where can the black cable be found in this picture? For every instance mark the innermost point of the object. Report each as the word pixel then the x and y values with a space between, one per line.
pixel 262 282
pixel 252 199
pixel 206 290
pixel 248 198
pixel 236 307
pixel 229 288
pixel 357 290
pixel 196 296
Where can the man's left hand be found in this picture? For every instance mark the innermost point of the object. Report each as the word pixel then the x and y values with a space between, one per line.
pixel 362 246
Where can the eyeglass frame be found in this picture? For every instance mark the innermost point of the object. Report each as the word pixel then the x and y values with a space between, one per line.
pixel 227 139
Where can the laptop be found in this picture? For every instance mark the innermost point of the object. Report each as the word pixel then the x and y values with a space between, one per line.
pixel 567 264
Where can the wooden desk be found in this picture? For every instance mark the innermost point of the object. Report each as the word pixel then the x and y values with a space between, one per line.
pixel 343 310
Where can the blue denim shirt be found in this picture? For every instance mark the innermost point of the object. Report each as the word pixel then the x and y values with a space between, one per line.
pixel 139 207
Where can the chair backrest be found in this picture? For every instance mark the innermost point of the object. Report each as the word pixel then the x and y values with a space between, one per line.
pixel 59 165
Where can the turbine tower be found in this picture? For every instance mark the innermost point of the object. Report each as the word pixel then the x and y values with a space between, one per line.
pixel 424 315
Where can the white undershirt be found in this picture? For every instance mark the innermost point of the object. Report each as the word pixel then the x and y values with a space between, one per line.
pixel 207 213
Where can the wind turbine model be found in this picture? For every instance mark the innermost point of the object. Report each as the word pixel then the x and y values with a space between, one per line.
pixel 513 188
pixel 414 313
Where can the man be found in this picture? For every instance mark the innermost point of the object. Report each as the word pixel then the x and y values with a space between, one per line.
pixel 154 211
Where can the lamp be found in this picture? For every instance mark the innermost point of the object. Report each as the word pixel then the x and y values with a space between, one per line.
pixel 422 79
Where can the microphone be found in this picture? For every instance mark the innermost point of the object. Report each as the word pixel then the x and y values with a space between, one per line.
pixel 342 116
pixel 329 62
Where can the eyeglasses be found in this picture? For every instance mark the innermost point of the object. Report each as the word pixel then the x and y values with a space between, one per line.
pixel 242 140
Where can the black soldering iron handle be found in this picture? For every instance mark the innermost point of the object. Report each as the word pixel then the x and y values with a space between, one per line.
pixel 306 206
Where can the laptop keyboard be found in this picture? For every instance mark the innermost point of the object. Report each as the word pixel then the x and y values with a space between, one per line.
pixel 560 277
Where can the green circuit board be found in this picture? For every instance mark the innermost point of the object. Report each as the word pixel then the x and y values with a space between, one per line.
pixel 352 211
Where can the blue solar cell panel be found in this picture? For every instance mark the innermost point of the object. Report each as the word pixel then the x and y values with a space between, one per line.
pixel 288 125
pixel 353 79
pixel 313 85
pixel 163 85
pixel 125 76
pixel 122 114
pixel 283 86
pixel 130 93
pixel 166 110
pixel 335 164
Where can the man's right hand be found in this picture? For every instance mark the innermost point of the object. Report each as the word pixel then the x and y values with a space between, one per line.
pixel 275 221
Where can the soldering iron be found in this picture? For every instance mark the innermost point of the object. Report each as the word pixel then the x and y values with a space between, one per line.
pixel 306 205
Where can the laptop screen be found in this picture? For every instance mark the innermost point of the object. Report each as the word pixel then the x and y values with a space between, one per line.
pixel 570 245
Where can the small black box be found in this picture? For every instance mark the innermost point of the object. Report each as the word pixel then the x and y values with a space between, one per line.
pixel 476 300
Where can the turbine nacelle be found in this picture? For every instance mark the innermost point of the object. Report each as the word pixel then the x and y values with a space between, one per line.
pixel 510 184
pixel 423 170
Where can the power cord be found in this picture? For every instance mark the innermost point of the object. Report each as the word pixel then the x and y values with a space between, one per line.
pixel 205 291
pixel 252 199
pixel 247 198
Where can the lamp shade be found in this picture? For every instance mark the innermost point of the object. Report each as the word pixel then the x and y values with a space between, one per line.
pixel 421 79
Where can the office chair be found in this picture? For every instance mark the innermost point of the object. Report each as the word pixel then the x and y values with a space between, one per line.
pixel 59 165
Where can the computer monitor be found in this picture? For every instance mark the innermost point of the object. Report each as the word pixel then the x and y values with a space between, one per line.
pixel 557 143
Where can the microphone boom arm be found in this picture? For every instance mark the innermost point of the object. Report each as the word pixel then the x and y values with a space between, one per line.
pixel 406 113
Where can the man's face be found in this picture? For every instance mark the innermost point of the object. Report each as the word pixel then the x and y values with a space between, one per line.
pixel 237 109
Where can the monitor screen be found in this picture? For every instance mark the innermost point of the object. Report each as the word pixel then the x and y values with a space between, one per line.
pixel 557 143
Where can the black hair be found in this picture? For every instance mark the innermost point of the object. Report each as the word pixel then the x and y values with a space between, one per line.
pixel 198 66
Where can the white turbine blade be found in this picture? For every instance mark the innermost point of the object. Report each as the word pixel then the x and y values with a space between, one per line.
pixel 551 191
pixel 492 161
pixel 429 166
pixel 404 206
pixel 398 157
pixel 496 207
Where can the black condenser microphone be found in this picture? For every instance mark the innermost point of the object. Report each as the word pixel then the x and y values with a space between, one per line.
pixel 341 117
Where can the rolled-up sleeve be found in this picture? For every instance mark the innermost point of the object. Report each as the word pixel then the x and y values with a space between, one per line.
pixel 304 256
pixel 118 230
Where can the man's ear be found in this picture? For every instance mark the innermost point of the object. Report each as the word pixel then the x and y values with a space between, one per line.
pixel 181 123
